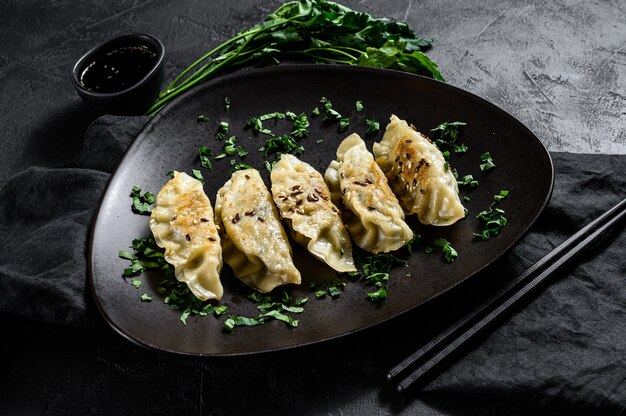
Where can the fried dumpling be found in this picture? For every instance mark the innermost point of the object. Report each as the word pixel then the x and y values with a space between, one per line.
pixel 182 223
pixel 303 199
pixel 418 174
pixel 375 219
pixel 255 244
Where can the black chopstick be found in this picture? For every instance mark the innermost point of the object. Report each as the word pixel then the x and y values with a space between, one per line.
pixel 451 340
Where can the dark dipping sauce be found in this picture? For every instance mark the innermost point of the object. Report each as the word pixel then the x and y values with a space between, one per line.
pixel 118 69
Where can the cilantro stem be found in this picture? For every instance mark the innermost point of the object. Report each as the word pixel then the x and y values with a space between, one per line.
pixel 321 30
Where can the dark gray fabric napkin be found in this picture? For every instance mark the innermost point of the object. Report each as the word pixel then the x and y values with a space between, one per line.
pixel 45 215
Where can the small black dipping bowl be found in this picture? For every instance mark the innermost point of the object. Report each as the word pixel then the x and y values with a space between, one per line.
pixel 121 76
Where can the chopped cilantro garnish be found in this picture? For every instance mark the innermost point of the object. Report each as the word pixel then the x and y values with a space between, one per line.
pixel 222 131
pixel 198 175
pixel 230 149
pixel 227 104
pixel 446 134
pixel 145 298
pixel 257 125
pixel 449 253
pixel 220 310
pixel 203 118
pixel 344 123
pixel 378 295
pixel 372 127
pixel 466 199
pixel 234 321
pixel 234 166
pixel 468 180
pixel 331 114
pixel 503 194
pixel 487 162
pixel 359 106
pixel 141 203
pixel 284 144
pixel 300 127
pixel 493 219
pixel 136 283
pixel 320 294
pixel 170 174
pixel 315 112
pixel 204 153
pixel 428 250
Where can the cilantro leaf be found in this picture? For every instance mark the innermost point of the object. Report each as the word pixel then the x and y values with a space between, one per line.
pixel 488 163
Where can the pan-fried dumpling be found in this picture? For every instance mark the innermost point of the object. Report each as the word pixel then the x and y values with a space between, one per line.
pixel 376 220
pixel 303 200
pixel 418 174
pixel 182 223
pixel 255 244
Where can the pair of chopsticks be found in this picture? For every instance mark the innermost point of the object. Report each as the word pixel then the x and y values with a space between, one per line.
pixel 423 363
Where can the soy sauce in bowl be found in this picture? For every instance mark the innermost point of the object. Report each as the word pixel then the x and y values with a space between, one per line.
pixel 123 75
pixel 118 69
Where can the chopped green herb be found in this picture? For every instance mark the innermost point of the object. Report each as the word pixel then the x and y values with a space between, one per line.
pixel 446 134
pixel 141 203
pixel 280 317
pixel 331 113
pixel 283 144
pixel 198 175
pixel 292 309
pixel 255 297
pixel 126 255
pixel 493 219
pixel 270 116
pixel 344 123
pixel 222 131
pixel 359 106
pixel 220 310
pixel 468 180
pixel 300 127
pixel 203 118
pixel 227 104
pixel 230 149
pixel 136 283
pixel 412 244
pixel 503 194
pixel 449 253
pixel 372 127
pixel 319 141
pixel 269 165
pixel 466 199
pixel 204 153
pixel 170 174
pixel 234 321
pixel 320 294
pixel 234 166
pixel 301 301
pixel 185 315
pixel 428 250
pixel 315 112
pixel 257 125
pixel 378 295
pixel 487 162
pixel 145 298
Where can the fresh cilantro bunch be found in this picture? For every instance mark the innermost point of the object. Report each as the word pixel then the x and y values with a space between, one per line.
pixel 317 30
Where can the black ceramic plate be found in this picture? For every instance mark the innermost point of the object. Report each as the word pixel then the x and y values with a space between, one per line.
pixel 171 139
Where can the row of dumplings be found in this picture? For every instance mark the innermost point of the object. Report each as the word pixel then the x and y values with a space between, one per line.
pixel 406 174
